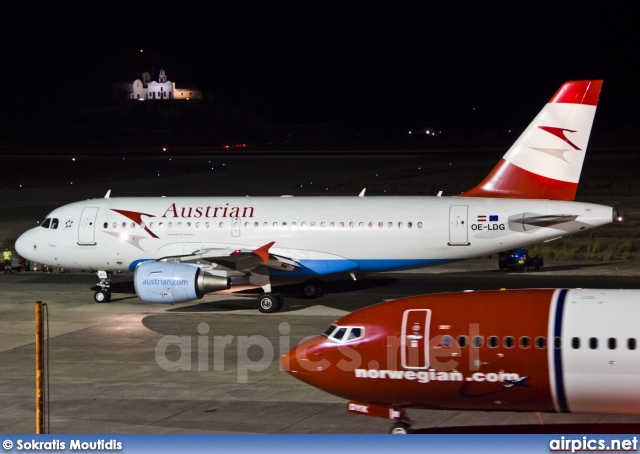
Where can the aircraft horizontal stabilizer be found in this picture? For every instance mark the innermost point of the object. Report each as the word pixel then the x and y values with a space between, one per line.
pixel 524 220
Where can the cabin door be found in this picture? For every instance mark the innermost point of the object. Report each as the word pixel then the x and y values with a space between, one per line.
pixel 87 226
pixel 458 235
pixel 414 342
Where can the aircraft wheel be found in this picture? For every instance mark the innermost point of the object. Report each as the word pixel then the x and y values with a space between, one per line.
pixel 400 428
pixel 102 296
pixel 312 289
pixel 269 303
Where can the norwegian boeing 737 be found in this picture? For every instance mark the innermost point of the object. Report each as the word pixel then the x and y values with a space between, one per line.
pixel 181 248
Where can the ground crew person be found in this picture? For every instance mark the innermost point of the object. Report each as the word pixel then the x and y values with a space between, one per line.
pixel 6 255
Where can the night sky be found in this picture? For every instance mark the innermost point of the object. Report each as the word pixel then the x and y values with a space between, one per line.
pixel 378 66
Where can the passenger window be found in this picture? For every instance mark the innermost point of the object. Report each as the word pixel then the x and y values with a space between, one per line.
pixel 631 343
pixel 419 225
pixel 105 225
pixel 380 225
pixel 446 341
pixel 370 225
pixel 361 225
pixel 575 343
pixel 478 341
pixel 409 224
pixel 509 342
pixel 557 342
pixel 541 342
pixel 593 343
pixel 124 225
pixel 399 224
pixel 390 224
pixel 611 343
pixel 462 341
pixel 493 341
pixel 525 342
pixel 115 225
pixel 350 225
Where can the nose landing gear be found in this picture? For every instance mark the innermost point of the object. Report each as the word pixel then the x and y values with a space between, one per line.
pixel 103 295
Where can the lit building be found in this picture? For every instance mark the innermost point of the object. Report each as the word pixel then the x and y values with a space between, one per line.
pixel 146 88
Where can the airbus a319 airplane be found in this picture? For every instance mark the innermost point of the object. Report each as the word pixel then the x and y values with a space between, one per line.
pixel 542 350
pixel 182 248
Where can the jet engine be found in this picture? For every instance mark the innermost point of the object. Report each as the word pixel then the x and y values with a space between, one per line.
pixel 174 282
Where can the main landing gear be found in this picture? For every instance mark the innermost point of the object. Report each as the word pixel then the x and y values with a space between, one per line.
pixel 103 295
pixel 402 426
pixel 270 302
pixel 312 289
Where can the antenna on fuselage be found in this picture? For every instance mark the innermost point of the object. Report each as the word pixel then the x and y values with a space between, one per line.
pixel 108 194
pixel 362 192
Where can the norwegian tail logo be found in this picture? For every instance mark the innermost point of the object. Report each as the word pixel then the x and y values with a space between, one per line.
pixel 546 160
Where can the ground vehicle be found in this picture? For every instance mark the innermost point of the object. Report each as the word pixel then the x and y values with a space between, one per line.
pixel 518 259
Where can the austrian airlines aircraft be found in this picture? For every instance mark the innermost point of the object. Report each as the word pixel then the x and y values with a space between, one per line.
pixel 182 248
pixel 543 350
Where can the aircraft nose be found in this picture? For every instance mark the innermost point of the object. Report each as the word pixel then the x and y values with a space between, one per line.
pixel 25 245
pixel 305 359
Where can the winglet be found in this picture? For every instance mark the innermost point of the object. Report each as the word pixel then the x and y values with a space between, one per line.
pixel 263 251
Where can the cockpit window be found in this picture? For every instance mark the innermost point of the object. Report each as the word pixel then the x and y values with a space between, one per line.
pixel 50 223
pixel 328 331
pixel 343 334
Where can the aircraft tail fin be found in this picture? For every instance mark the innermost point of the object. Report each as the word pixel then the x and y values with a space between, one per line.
pixel 546 160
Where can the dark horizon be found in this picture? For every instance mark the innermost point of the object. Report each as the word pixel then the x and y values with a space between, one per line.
pixel 374 70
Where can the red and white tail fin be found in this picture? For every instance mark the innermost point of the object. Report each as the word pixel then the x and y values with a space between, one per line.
pixel 546 160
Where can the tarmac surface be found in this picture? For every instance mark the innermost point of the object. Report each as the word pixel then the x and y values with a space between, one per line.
pixel 212 365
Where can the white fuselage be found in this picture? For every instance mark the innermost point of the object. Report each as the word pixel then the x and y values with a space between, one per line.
pixel 324 234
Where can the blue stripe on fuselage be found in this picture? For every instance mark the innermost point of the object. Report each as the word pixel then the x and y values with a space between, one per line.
pixel 322 267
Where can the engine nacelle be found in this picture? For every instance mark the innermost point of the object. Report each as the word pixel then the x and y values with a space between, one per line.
pixel 174 282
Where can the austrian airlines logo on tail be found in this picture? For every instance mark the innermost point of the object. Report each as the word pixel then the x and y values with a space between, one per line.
pixel 545 162
pixel 559 133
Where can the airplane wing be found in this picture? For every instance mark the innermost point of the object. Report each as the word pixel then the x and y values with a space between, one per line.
pixel 238 261
pixel 242 260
